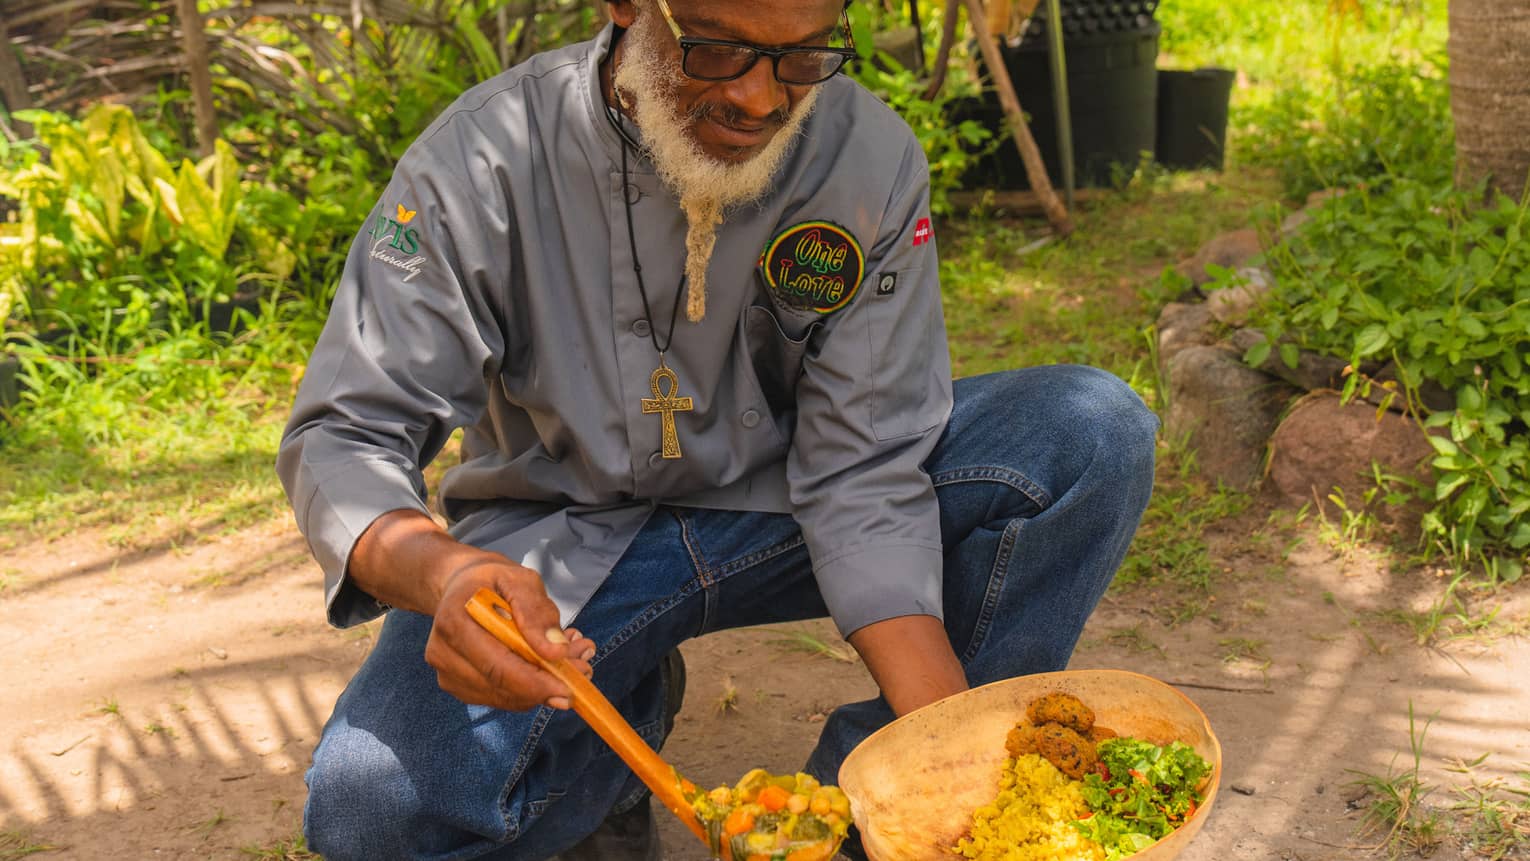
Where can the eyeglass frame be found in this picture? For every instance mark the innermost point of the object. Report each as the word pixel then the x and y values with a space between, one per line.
pixel 846 54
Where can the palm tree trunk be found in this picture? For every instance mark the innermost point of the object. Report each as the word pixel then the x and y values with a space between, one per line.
pixel 1490 91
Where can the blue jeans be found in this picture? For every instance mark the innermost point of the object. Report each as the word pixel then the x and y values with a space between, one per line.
pixel 1042 476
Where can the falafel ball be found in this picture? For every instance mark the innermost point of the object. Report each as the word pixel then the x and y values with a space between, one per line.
pixel 1099 733
pixel 1073 754
pixel 1061 708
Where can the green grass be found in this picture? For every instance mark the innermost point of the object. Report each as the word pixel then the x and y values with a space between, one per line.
pixel 798 640
pixel 16 844
pixel 1496 812
pixel 1170 548
pixel 294 848
pixel 1396 809
pixel 1087 299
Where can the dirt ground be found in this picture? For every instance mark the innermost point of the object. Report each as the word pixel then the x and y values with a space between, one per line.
pixel 164 704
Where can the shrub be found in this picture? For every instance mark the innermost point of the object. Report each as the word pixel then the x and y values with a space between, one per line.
pixel 1418 275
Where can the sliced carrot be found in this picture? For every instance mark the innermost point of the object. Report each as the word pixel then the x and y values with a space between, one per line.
pixel 773 798
pixel 739 821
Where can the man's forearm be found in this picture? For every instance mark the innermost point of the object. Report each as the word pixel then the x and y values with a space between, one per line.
pixel 402 560
pixel 911 660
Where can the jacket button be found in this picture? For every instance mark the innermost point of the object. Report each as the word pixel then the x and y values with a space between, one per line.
pixel 641 328
pixel 655 459
pixel 750 418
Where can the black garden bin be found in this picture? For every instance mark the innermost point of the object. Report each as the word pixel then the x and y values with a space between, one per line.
pixel 1192 117
pixel 1112 86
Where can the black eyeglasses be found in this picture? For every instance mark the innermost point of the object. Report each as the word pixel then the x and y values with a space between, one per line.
pixel 721 60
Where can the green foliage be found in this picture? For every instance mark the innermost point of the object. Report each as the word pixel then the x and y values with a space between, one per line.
pixel 113 243
pixel 951 148
pixel 1278 45
pixel 1417 277
pixel 1392 118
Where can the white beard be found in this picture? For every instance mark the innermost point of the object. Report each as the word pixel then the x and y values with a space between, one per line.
pixel 645 83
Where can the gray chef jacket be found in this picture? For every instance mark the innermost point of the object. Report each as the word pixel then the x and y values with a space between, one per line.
pixel 492 289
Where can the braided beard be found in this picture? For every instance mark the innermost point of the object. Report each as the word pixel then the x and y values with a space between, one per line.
pixel 645 83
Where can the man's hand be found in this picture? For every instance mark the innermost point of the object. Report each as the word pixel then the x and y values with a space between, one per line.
pixel 405 560
pixel 911 660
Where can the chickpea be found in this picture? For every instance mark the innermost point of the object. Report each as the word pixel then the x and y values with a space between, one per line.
pixel 722 796
pixel 840 805
pixel 797 803
pixel 820 804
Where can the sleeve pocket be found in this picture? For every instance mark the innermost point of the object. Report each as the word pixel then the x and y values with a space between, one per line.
pixel 906 388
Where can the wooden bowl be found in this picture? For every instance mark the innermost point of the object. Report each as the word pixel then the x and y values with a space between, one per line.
pixel 914 783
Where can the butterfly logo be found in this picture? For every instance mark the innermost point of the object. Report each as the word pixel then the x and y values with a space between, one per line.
pixel 405 215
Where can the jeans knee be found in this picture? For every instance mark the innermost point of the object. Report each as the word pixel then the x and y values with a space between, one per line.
pixel 1125 431
pixel 358 798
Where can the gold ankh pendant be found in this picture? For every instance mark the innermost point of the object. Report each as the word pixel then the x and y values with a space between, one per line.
pixel 666 405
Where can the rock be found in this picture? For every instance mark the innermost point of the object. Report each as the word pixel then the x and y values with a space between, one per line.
pixel 1294 223
pixel 1313 370
pixel 1322 444
pixel 1322 196
pixel 1231 305
pixel 1242 789
pixel 1227 409
pixel 1230 251
pixel 1182 325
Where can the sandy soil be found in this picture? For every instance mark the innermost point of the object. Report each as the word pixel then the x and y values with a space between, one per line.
pixel 163 704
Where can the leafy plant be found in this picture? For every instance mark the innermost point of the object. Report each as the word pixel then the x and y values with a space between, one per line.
pixel 1416 279
pixel 950 147
pixel 1391 119
pixel 112 241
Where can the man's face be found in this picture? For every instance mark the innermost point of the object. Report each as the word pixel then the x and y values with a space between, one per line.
pixel 733 121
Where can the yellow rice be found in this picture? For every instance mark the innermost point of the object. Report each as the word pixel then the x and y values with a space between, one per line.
pixel 1031 819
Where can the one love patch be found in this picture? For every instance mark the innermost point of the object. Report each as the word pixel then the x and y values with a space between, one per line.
pixel 814 265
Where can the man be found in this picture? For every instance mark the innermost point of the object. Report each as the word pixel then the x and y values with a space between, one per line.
pixel 789 448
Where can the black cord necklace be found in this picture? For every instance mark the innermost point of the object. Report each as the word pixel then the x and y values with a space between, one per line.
pixel 664 402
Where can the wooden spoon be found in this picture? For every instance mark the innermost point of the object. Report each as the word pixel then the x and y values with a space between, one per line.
pixel 493 613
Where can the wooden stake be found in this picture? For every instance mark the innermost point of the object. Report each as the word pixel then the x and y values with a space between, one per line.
pixel 943 56
pixel 13 84
pixel 1035 168
pixel 199 65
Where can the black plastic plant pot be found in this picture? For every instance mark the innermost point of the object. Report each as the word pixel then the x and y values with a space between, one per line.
pixel 1112 85
pixel 1192 117
pixel 10 387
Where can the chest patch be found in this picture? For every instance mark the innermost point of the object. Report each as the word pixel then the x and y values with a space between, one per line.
pixel 815 265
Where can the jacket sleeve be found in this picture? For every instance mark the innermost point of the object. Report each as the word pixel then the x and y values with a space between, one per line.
pixel 402 361
pixel 872 402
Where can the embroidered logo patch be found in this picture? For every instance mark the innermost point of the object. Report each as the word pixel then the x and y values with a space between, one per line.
pixel 887 284
pixel 814 265
pixel 397 245
pixel 923 232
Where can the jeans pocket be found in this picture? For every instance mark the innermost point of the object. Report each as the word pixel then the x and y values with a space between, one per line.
pixel 994 590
